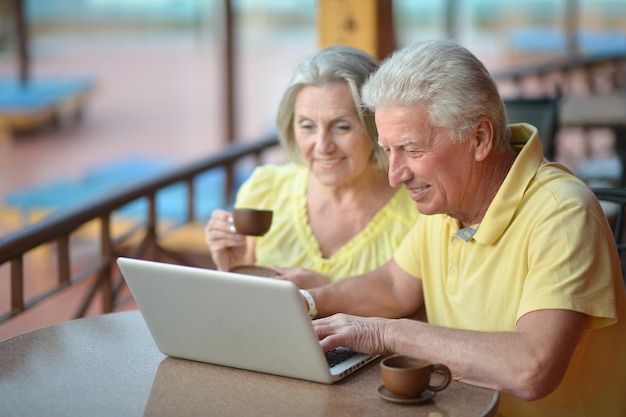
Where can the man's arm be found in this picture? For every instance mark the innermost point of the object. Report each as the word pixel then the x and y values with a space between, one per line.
pixel 528 363
pixel 387 291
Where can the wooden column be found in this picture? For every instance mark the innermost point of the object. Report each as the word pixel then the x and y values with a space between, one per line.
pixel 229 93
pixel 571 27
pixel 364 24
pixel 21 29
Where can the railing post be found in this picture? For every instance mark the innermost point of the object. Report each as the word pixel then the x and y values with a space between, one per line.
pixel 152 221
pixel 17 284
pixel 191 198
pixel 63 258
pixel 105 275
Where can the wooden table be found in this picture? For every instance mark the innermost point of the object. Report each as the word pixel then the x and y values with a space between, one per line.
pixel 109 366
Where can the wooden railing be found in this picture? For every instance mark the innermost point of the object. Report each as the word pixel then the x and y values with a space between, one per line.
pixel 141 240
pixel 599 73
pixel 592 97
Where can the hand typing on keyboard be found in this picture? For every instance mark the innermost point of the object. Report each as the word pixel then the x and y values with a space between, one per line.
pixel 338 355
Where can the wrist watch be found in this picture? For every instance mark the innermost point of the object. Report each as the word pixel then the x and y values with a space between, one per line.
pixel 311 302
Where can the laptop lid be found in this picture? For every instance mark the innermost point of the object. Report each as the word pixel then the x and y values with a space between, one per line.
pixel 230 319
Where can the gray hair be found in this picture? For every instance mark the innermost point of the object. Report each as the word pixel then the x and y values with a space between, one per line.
pixel 446 78
pixel 333 64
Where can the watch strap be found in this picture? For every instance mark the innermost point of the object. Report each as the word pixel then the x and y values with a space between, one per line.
pixel 311 302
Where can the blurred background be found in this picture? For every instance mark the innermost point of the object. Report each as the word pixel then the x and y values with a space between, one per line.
pixel 156 74
pixel 156 67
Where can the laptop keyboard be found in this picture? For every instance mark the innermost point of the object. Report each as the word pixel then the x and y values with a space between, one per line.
pixel 338 355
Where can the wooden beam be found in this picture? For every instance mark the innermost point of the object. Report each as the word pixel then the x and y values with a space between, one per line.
pixel 571 27
pixel 364 24
pixel 22 36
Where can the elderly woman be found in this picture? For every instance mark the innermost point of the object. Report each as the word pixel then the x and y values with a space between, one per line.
pixel 335 214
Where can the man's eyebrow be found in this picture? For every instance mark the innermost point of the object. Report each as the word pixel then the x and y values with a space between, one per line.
pixel 406 142
pixel 400 144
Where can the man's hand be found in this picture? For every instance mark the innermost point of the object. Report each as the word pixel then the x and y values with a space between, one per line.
pixel 362 334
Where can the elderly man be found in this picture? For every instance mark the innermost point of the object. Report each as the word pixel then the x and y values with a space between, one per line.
pixel 514 261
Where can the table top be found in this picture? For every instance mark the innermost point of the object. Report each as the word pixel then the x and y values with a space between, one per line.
pixel 109 366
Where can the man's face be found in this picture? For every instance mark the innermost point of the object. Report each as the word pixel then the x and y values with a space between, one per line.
pixel 424 159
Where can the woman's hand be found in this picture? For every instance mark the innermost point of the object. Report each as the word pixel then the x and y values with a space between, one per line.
pixel 303 278
pixel 228 248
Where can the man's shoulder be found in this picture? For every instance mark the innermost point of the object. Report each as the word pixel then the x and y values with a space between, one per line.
pixel 559 184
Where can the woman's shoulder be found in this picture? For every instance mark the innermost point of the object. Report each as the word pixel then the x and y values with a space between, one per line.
pixel 275 173
pixel 275 177
pixel 267 182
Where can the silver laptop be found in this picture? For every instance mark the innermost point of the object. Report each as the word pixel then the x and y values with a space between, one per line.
pixel 229 319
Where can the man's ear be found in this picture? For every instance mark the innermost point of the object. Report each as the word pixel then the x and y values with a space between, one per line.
pixel 483 138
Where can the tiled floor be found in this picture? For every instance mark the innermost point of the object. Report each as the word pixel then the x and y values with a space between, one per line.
pixel 154 97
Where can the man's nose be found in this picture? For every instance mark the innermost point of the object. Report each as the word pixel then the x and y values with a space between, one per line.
pixel 399 173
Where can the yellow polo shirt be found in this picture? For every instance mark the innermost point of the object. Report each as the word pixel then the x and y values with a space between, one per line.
pixel 290 241
pixel 544 243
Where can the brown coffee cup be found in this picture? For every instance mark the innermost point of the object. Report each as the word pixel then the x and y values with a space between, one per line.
pixel 252 222
pixel 408 377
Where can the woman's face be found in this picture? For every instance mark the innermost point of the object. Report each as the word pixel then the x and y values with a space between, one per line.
pixel 333 142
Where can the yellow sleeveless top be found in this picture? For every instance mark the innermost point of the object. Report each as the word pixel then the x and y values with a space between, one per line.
pixel 290 241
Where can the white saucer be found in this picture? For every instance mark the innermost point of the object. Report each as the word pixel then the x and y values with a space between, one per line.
pixel 422 398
